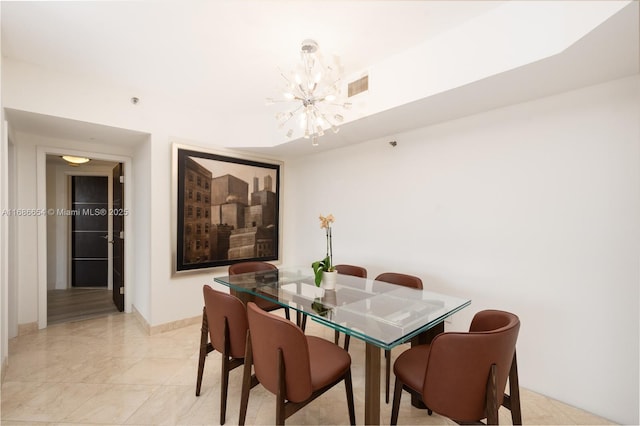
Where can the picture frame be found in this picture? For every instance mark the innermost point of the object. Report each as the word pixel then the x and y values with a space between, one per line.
pixel 227 208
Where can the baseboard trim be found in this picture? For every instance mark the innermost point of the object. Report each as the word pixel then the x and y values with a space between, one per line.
pixel 28 328
pixel 3 368
pixel 143 322
pixel 174 325
pixel 163 328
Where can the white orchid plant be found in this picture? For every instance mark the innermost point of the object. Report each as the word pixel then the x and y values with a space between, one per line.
pixel 326 264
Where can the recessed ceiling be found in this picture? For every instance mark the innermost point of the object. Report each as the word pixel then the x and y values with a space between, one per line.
pixel 217 54
pixel 56 160
pixel 223 56
pixel 66 129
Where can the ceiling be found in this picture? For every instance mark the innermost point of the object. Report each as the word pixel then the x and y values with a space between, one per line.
pixel 56 160
pixel 199 52
pixel 224 56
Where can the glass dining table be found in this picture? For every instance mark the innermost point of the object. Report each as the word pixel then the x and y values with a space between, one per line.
pixel 383 315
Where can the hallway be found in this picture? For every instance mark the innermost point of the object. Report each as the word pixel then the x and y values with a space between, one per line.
pixel 77 304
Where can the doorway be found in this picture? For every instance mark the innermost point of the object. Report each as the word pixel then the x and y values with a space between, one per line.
pixel 89 231
pixel 81 258
pixel 52 137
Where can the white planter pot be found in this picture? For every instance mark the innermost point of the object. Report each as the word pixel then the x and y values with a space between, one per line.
pixel 329 280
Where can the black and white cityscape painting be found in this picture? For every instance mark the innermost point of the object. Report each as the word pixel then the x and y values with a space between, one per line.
pixel 228 210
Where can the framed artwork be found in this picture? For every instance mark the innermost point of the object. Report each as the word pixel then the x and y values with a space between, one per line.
pixel 227 209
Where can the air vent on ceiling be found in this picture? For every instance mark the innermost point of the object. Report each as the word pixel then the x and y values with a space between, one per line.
pixel 358 86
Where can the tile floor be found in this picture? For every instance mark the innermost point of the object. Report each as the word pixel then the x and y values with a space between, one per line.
pixel 108 371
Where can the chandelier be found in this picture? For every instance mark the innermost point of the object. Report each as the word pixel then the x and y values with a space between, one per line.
pixel 314 90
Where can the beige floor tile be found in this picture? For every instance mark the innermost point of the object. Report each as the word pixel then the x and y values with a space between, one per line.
pixel 166 406
pixel 187 374
pixel 108 371
pixel 45 402
pixel 112 404
pixel 577 416
pixel 149 371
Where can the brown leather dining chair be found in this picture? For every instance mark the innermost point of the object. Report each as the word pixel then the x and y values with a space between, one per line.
pixel 355 271
pixel 224 329
pixel 294 367
pixel 246 267
pixel 463 376
pixel 405 281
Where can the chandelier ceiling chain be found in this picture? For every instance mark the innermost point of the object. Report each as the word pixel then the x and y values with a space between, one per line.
pixel 314 87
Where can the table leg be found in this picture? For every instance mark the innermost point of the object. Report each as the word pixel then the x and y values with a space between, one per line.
pixel 242 295
pixel 372 385
pixel 422 339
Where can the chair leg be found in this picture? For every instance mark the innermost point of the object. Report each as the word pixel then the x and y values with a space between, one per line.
pixel 514 393
pixel 281 394
pixel 287 314
pixel 349 389
pixel 397 394
pixel 303 325
pixel 204 339
pixel 224 386
pixel 224 373
pixel 347 340
pixel 301 320
pixel 492 397
pixel 387 356
pixel 246 380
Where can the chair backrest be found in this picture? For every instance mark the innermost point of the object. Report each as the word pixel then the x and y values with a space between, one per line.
pixel 400 279
pixel 220 306
pixel 356 271
pixel 459 364
pixel 270 333
pixel 245 267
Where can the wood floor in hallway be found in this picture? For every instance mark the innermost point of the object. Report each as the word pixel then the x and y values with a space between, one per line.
pixel 77 304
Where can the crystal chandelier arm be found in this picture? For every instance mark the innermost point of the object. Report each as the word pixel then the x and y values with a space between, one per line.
pixel 334 127
pixel 305 93
pixel 273 101
pixel 285 77
pixel 301 95
pixel 332 88
pixel 345 105
pixel 309 91
pixel 326 119
pixel 290 115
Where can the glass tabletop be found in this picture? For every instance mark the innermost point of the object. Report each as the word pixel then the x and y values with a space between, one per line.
pixel 380 313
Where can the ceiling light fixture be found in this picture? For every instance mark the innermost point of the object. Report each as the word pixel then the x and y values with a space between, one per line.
pixel 75 161
pixel 314 87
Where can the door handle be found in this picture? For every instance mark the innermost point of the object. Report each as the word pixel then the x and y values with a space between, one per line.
pixel 106 237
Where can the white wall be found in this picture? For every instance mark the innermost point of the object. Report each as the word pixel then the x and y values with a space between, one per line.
pixel 53 252
pixel 532 208
pixel 4 236
pixel 27 235
pixel 142 228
